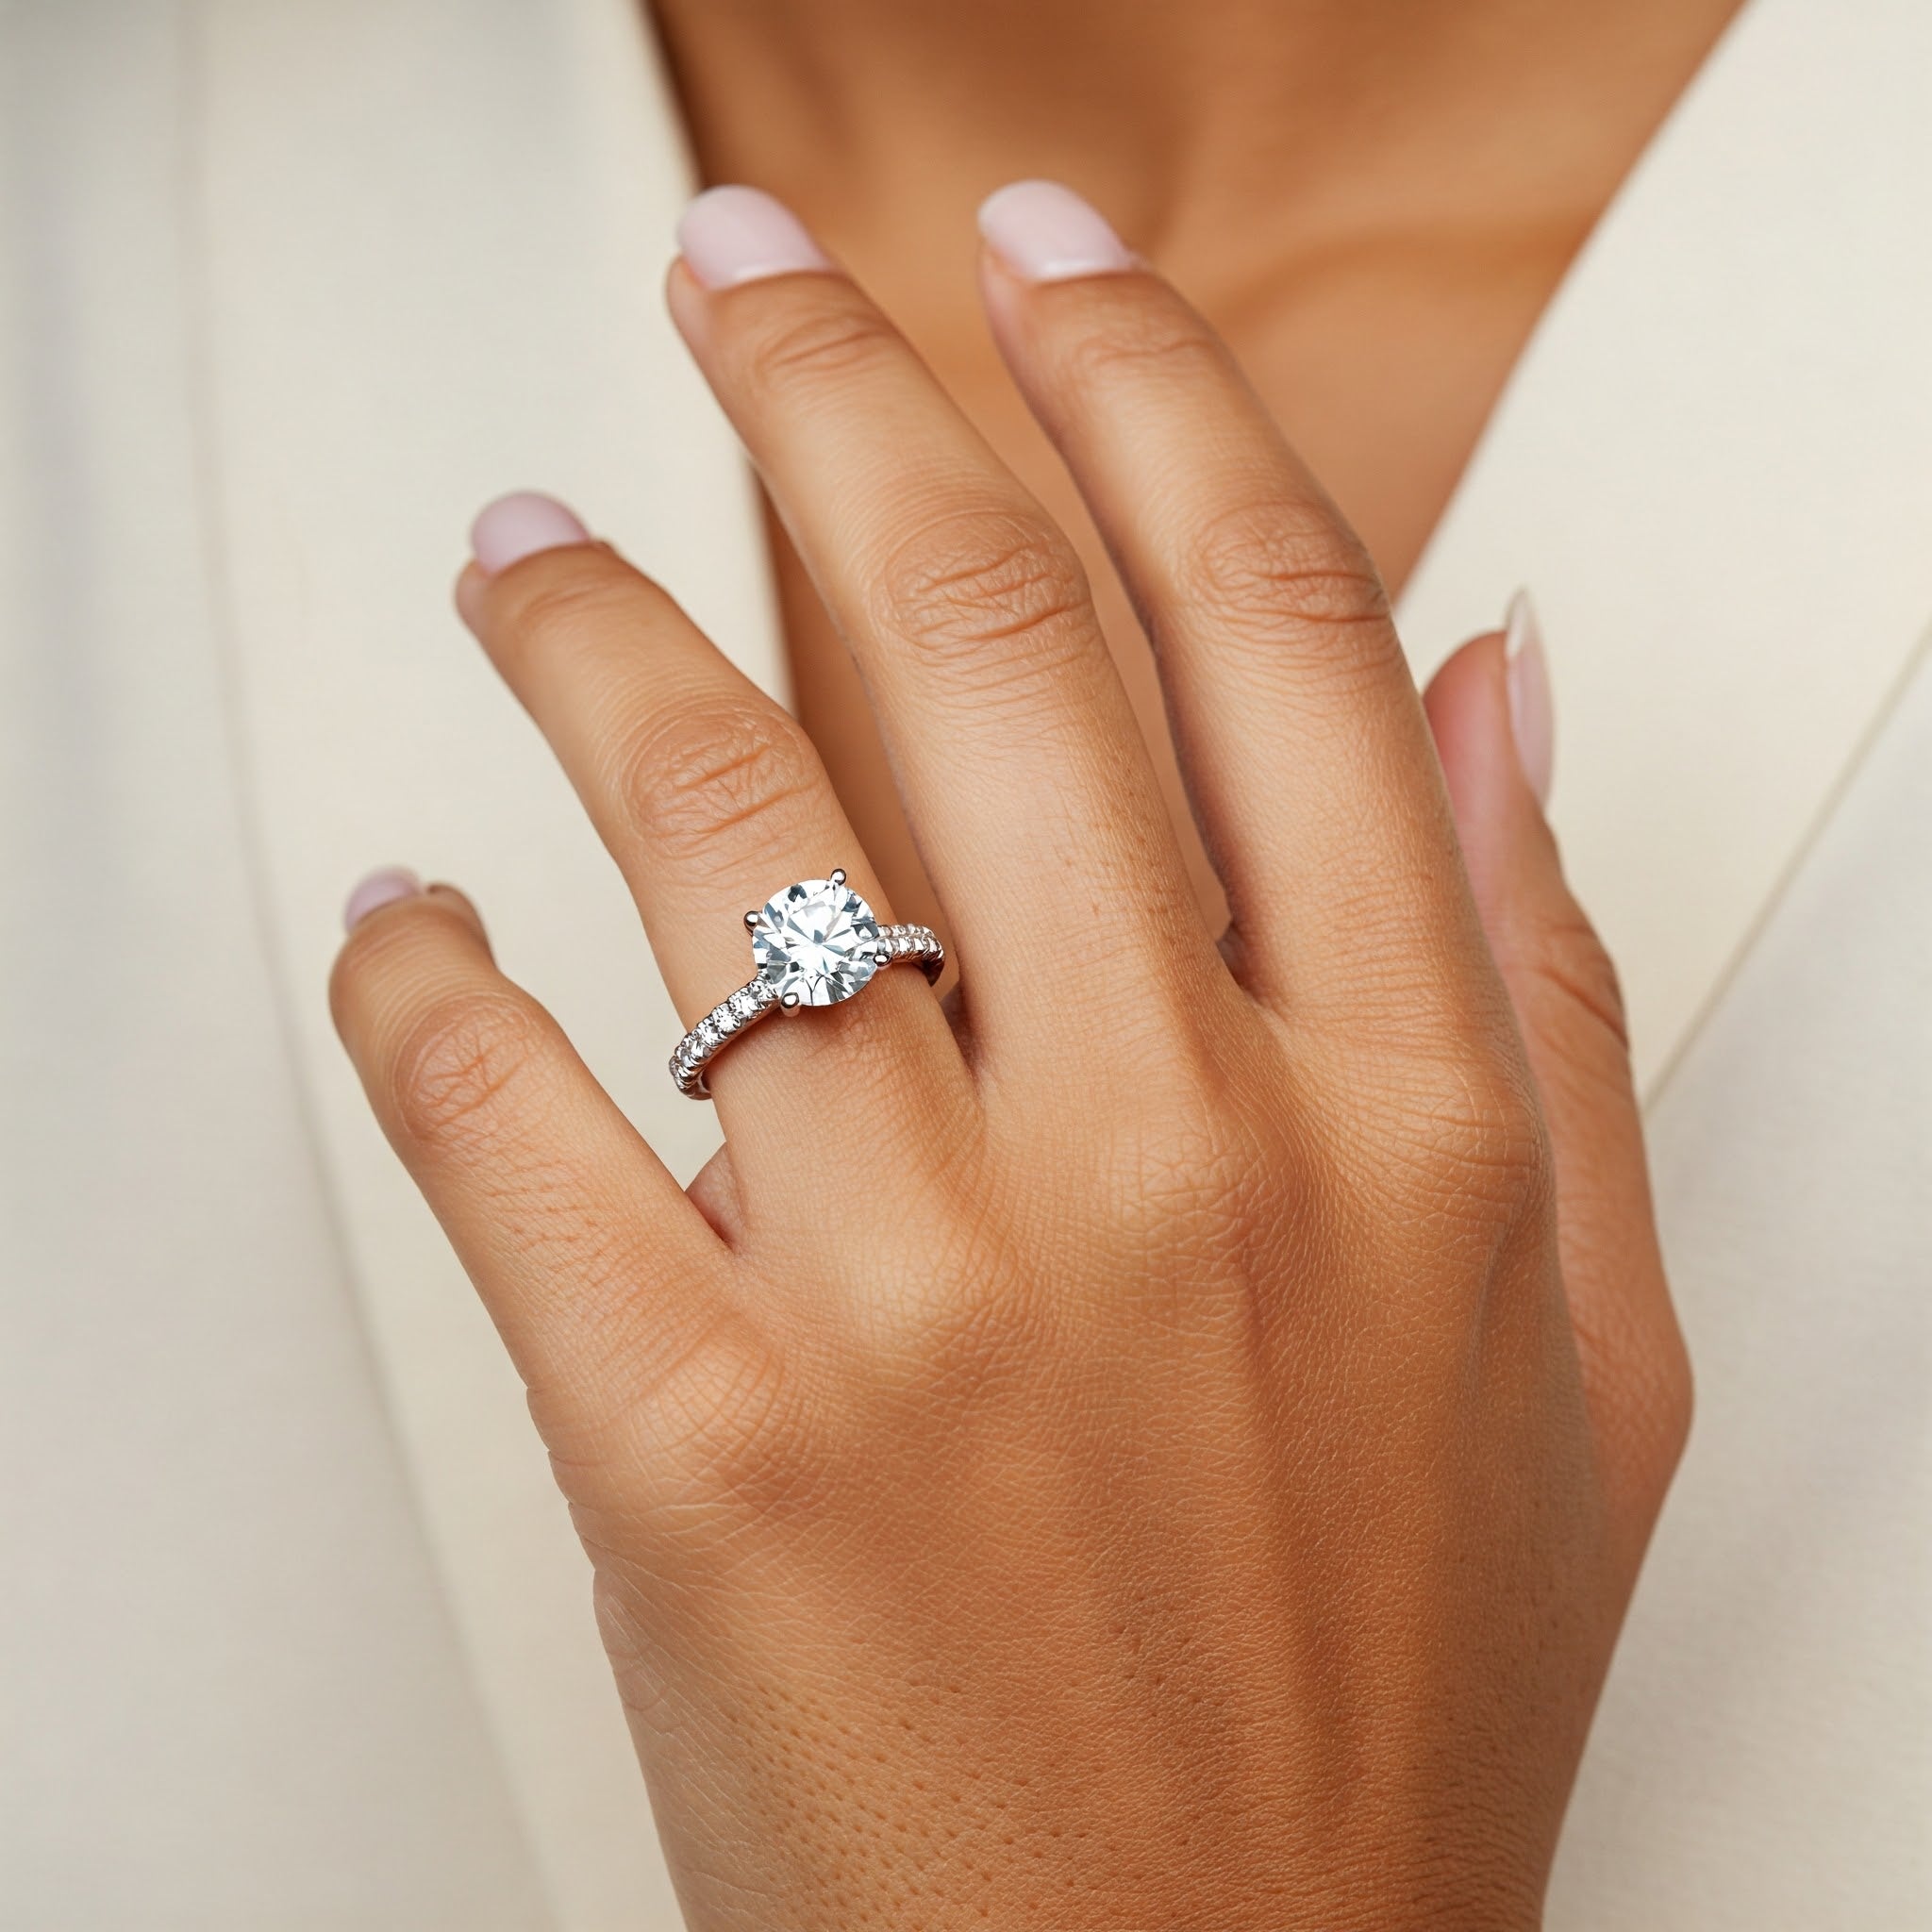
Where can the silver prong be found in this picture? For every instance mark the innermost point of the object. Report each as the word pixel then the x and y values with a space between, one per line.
pixel 788 1001
pixel 838 875
pixel 883 957
pixel 751 920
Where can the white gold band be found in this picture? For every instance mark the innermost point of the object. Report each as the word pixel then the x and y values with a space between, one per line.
pixel 911 945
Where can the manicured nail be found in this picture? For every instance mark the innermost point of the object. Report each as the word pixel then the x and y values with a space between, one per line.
pixel 1532 717
pixel 1046 233
pixel 520 524
pixel 382 887
pixel 733 235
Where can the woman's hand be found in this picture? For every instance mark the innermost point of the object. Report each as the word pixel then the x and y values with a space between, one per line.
pixel 1170 1443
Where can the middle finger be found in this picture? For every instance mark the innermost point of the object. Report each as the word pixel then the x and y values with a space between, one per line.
pixel 1301 734
pixel 1034 804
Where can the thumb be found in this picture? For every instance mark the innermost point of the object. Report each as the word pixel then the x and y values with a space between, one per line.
pixel 1489 707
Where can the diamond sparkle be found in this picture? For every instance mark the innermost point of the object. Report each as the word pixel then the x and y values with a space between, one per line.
pixel 816 941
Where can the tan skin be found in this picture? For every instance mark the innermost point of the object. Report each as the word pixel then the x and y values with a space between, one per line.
pixel 1372 202
pixel 1168 1437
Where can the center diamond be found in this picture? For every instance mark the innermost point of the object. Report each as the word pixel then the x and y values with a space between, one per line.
pixel 817 940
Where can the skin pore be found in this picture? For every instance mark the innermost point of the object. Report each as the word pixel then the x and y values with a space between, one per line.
pixel 1372 200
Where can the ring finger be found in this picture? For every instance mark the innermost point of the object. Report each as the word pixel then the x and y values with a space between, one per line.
pixel 711 799
pixel 1031 794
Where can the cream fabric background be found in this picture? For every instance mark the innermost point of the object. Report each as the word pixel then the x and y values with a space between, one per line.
pixel 303 1638
pixel 231 1694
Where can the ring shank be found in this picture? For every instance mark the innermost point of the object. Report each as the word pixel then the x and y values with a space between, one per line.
pixel 907 945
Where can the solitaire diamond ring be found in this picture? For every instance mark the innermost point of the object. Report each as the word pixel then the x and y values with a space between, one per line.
pixel 814 944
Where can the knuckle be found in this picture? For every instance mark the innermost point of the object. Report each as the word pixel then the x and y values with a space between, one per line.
pixel 1284 568
pixel 1187 1175
pixel 985 575
pixel 1473 1136
pixel 465 1068
pixel 684 1435
pixel 1642 1370
pixel 1138 342
pixel 718 1426
pixel 962 1331
pixel 737 768
pixel 823 341
pixel 1575 965
pixel 564 611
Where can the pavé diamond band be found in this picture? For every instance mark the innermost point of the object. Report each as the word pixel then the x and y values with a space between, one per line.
pixel 814 944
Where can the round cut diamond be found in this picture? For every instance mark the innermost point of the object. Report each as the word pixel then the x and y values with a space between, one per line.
pixel 816 940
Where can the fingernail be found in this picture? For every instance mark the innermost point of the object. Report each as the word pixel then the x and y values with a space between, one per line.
pixel 732 235
pixel 520 524
pixel 1532 717
pixel 382 887
pixel 1046 233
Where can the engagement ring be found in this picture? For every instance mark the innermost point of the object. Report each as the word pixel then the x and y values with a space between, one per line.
pixel 814 944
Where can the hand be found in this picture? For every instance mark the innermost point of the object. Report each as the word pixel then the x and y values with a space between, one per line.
pixel 1170 1443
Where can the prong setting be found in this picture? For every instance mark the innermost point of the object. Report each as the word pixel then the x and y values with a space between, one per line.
pixel 816 943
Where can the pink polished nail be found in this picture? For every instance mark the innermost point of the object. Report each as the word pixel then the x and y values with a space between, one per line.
pixel 520 524
pixel 1046 233
pixel 382 887
pixel 732 235
pixel 1532 715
